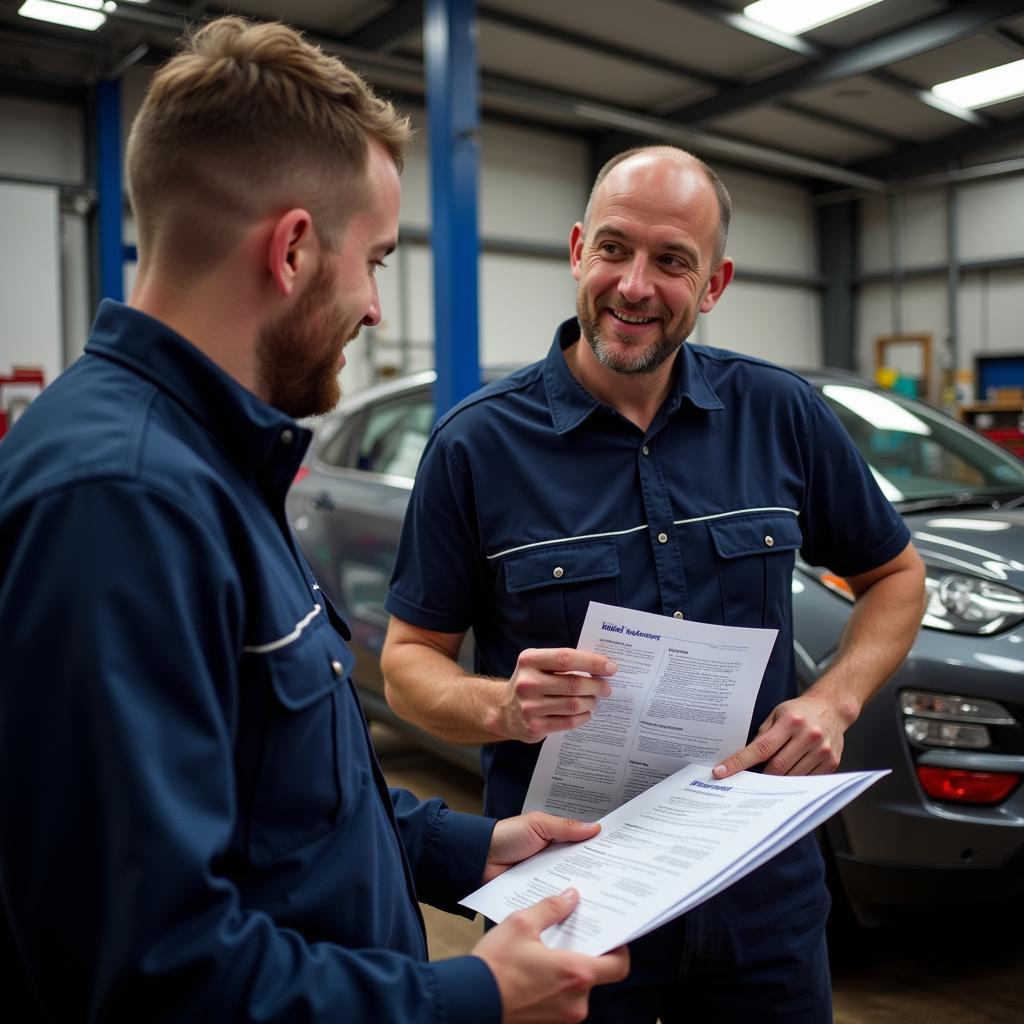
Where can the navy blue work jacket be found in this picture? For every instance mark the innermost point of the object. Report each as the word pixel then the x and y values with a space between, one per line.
pixel 534 499
pixel 194 826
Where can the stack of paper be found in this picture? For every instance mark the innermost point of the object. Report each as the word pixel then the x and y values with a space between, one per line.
pixel 682 841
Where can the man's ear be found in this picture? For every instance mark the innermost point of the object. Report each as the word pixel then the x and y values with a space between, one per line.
pixel 576 248
pixel 717 284
pixel 292 250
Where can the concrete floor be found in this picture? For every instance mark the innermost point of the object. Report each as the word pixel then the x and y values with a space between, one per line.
pixel 905 977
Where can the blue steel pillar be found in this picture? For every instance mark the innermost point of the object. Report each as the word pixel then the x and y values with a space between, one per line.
pixel 453 109
pixel 108 187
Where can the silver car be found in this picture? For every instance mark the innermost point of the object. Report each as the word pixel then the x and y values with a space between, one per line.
pixel 945 829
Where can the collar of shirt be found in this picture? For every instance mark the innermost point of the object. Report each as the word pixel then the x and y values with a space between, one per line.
pixel 571 403
pixel 258 435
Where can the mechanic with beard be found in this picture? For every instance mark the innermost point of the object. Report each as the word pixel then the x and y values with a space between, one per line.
pixel 633 469
pixel 195 827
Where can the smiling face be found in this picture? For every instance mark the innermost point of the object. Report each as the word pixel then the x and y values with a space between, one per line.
pixel 646 260
pixel 301 353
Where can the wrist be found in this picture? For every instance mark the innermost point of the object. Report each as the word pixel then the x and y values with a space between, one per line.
pixel 840 697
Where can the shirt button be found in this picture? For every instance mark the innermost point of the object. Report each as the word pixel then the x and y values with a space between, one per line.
pixel 287 437
pixel 662 538
pixel 646 450
pixel 678 615
pixel 558 572
pixel 769 541
pixel 337 668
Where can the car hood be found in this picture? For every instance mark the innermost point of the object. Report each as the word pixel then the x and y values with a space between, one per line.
pixel 982 542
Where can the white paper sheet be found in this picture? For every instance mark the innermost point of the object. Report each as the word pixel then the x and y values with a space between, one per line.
pixel 684 693
pixel 667 850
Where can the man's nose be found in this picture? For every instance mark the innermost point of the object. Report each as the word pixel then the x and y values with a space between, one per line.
pixel 373 314
pixel 636 285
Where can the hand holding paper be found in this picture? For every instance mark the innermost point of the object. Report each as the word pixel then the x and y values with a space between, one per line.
pixel 684 693
pixel 551 690
pixel 536 983
pixel 667 850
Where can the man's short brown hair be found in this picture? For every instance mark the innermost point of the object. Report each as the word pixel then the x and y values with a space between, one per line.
pixel 244 120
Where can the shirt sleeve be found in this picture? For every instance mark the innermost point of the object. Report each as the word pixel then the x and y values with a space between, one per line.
pixel 447 850
pixel 439 580
pixel 122 621
pixel 847 523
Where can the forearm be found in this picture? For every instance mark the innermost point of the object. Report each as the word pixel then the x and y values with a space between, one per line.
pixel 447 851
pixel 428 687
pixel 877 637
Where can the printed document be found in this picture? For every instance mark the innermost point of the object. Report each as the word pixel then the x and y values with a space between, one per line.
pixel 667 850
pixel 684 693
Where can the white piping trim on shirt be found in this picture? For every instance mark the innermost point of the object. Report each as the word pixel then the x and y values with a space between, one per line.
pixel 285 640
pixel 740 512
pixel 634 529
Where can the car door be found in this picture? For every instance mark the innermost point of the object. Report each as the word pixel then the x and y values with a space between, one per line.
pixel 350 515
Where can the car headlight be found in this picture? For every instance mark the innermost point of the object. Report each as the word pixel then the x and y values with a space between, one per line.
pixel 957 603
pixel 968 604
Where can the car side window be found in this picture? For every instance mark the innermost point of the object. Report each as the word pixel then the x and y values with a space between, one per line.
pixel 335 451
pixel 394 436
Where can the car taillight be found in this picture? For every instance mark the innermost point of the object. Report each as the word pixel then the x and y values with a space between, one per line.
pixel 966 787
pixel 301 475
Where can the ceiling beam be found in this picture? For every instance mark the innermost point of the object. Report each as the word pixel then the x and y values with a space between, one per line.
pixel 598 44
pixel 390 30
pixel 1009 38
pixel 910 158
pixel 406 74
pixel 831 65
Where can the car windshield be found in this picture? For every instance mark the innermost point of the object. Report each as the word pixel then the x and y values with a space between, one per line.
pixel 917 454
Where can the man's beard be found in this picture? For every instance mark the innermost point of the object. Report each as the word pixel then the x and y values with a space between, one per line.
pixel 297 355
pixel 642 359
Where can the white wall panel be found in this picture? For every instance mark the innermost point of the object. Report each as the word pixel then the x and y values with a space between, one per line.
pixel 772 224
pixel 991 314
pixel 991 218
pixel 533 185
pixel 522 302
pixel 31 331
pixel 770 322
pixel 923 228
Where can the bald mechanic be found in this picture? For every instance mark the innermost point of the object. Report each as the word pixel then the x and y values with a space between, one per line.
pixel 194 825
pixel 631 468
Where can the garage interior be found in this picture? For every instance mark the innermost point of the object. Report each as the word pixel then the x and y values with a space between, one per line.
pixel 878 227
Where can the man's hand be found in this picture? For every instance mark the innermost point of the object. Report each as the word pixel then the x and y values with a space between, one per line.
pixel 547 694
pixel 538 984
pixel 803 736
pixel 515 839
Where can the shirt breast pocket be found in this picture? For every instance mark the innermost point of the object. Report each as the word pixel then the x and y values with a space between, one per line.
pixel 549 589
pixel 755 567
pixel 304 782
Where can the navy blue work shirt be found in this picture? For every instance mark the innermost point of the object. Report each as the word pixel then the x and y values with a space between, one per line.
pixel 534 499
pixel 194 825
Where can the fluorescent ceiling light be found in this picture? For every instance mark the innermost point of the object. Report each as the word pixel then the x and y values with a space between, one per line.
pixel 984 87
pixel 84 14
pixel 796 16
